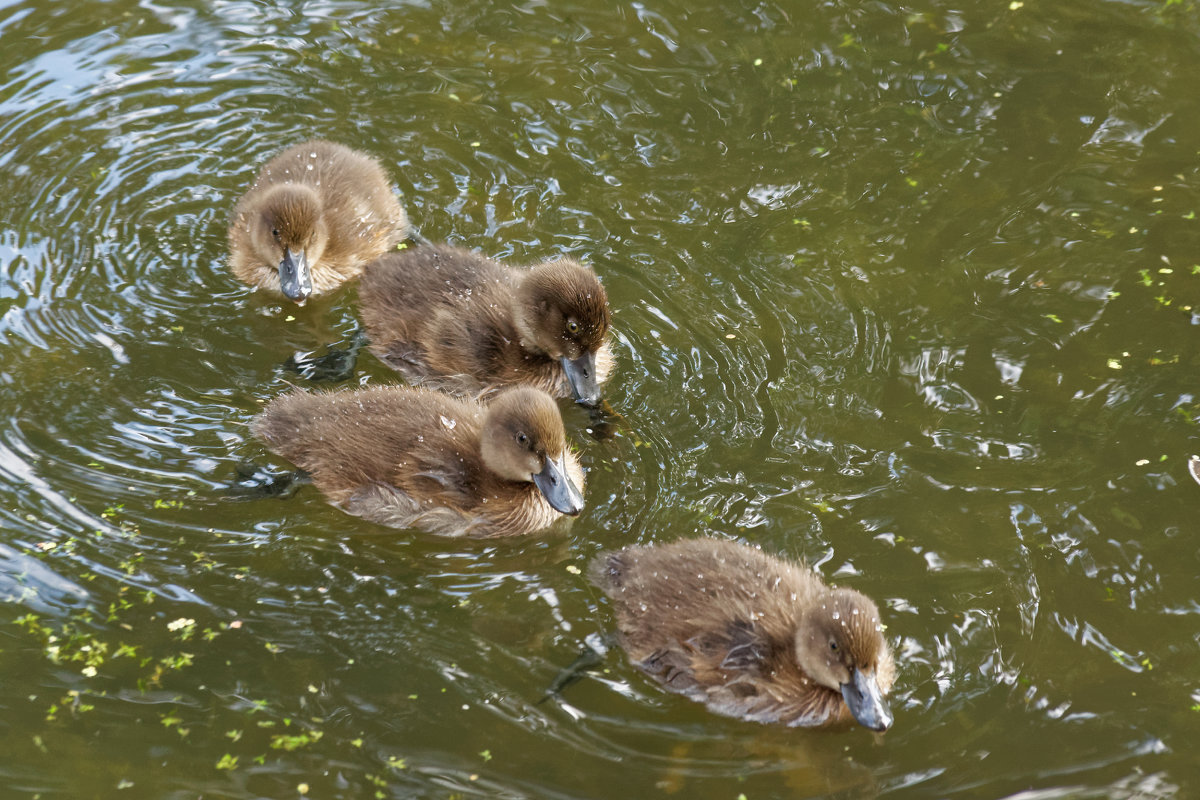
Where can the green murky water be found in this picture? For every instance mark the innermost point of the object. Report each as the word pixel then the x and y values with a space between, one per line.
pixel 908 291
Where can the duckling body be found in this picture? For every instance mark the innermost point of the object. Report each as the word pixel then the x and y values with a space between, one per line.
pixel 464 323
pixel 748 634
pixel 415 458
pixel 314 215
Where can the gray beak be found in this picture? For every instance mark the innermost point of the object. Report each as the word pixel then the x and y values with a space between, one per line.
pixel 558 488
pixel 295 278
pixel 582 375
pixel 865 701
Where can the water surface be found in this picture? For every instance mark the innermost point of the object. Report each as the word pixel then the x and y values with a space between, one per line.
pixel 910 292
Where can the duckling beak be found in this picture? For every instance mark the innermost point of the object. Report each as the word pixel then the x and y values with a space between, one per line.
pixel 865 700
pixel 557 486
pixel 295 278
pixel 582 375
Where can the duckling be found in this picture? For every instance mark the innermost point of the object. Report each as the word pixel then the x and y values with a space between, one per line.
pixel 315 214
pixel 467 324
pixel 748 634
pixel 417 458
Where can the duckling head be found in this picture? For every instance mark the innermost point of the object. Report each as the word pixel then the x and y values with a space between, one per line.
pixel 839 644
pixel 562 311
pixel 289 230
pixel 523 440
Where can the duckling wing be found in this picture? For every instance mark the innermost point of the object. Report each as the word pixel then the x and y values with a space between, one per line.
pixel 384 504
pixel 672 667
pixel 439 312
pixel 407 358
pixel 442 470
pixel 400 290
pixel 743 649
pixel 478 339
pixel 742 671
pixel 434 488
pixel 736 673
pixel 707 657
pixel 730 654
pixel 391 506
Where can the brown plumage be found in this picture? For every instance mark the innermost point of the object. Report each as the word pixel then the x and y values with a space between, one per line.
pixel 467 324
pixel 748 634
pixel 315 214
pixel 415 458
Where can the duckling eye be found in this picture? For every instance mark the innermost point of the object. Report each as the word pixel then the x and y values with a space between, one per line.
pixel 522 438
pixel 833 646
pixel 573 326
pixel 275 232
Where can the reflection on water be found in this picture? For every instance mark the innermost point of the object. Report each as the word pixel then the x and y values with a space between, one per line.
pixel 908 292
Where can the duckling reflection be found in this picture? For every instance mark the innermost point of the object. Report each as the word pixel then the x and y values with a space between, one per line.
pixel 315 214
pixel 467 324
pixel 749 635
pixel 416 458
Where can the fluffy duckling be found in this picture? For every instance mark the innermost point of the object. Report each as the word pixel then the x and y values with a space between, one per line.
pixel 748 634
pixel 315 214
pixel 416 458
pixel 467 324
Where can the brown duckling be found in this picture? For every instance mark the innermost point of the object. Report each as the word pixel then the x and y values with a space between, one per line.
pixel 748 634
pixel 467 324
pixel 315 214
pixel 416 458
